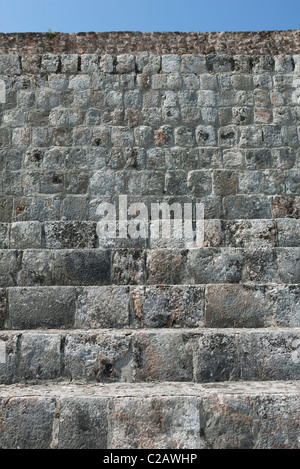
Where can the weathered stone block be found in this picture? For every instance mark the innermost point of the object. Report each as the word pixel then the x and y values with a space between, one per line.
pixel 88 419
pixel 70 235
pixel 39 357
pixel 156 422
pixel 26 235
pixel 36 269
pixel 162 356
pixel 6 209
pixel 97 357
pixel 288 232
pixel 30 420
pixel 103 307
pixel 243 207
pixel 9 266
pixel 251 233
pixel 82 267
pixel 237 306
pixel 212 265
pixel 168 306
pixel 44 307
pixel 128 267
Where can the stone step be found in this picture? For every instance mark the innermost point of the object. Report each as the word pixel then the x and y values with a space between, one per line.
pixel 81 207
pixel 199 355
pixel 282 232
pixel 88 267
pixel 244 415
pixel 151 306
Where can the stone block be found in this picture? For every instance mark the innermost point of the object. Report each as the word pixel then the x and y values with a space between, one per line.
pixel 43 307
pixel 26 235
pixel 162 356
pixel 167 306
pixel 97 357
pixel 103 307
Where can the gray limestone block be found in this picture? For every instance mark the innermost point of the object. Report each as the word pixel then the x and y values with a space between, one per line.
pixel 148 63
pixel 50 63
pixel 31 64
pixel 46 99
pixel 101 357
pixel 37 208
pixel 166 266
pixel 107 63
pixel 6 209
pixel 82 267
pixel 39 357
pixel 285 206
pixel 26 235
pixel 162 356
pixel 170 63
pixel 122 136
pixel 217 357
pixel 30 421
pixel 80 82
pixel 237 306
pixel 128 266
pixel 225 182
pixel 250 233
pixel 285 302
pixel 199 183
pixel 269 356
pixel 167 306
pixel 10 65
pixel 89 63
pixel 288 265
pixel 258 159
pixel 292 181
pixel 193 64
pixel 102 182
pixel 43 307
pixel 4 235
pixel 176 182
pixel 220 63
pixel 228 136
pixel 69 63
pixel 278 422
pixel 205 135
pixel 184 136
pixel 70 235
pixel 10 261
pixel 36 268
pixel 103 307
pixel 125 63
pixel 247 206
pixel 155 422
pixel 288 232
pixel 74 208
pixel 260 265
pixel 214 234
pixel 87 416
pixel 228 422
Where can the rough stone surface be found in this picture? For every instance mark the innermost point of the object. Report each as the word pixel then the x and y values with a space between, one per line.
pixel 138 323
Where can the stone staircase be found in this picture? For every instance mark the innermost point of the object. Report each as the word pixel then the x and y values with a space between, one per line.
pixel 145 343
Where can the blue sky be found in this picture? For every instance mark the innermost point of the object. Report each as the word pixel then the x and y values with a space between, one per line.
pixel 148 15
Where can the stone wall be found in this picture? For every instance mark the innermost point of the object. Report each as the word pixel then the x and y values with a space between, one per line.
pixel 253 43
pixel 80 129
